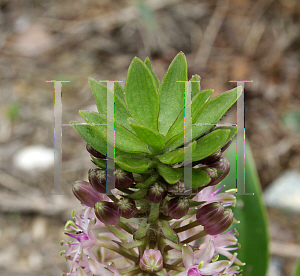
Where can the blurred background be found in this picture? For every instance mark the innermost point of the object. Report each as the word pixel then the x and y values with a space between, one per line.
pixel 73 40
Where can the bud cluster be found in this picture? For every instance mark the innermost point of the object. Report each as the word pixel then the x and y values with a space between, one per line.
pixel 92 193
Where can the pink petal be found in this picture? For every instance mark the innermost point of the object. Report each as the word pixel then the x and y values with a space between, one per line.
pixel 188 256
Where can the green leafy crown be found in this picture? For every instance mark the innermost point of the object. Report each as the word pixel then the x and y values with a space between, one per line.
pixel 149 122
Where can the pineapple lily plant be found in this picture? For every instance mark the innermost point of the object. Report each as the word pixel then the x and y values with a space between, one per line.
pixel 152 222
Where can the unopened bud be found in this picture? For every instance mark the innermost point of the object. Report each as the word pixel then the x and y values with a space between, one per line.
pixel 107 212
pixel 177 188
pixel 156 193
pixel 95 153
pixel 123 179
pixel 221 225
pixel 127 208
pixel 86 194
pixel 209 213
pixel 97 178
pixel 222 167
pixel 178 207
pixel 151 261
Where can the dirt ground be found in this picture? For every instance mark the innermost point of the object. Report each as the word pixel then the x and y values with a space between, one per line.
pixel 74 40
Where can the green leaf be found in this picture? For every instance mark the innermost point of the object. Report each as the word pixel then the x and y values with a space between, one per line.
pixel 172 93
pixel 142 231
pixel 133 164
pixel 210 143
pixel 233 131
pixel 99 162
pixel 118 89
pixel 214 110
pixel 124 139
pixel 251 212
pixel 150 136
pixel 195 85
pixel 129 154
pixel 154 212
pixel 175 156
pixel 141 95
pixel 121 234
pixel 169 174
pixel 91 136
pixel 199 177
pixel 198 104
pixel 99 91
pixel 139 194
pixel 297 269
pixel 168 232
pixel 177 246
pixel 149 66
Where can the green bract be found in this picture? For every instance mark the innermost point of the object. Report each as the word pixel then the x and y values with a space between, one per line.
pixel 149 122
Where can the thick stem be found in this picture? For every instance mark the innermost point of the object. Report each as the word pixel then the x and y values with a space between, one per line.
pixel 118 250
pixel 187 227
pixel 195 237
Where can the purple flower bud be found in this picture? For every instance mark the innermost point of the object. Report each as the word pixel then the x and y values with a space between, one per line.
pixel 194 272
pixel 221 225
pixel 177 188
pixel 222 165
pixel 218 171
pixel 97 178
pixel 212 158
pixel 127 208
pixel 212 173
pixel 86 194
pixel 209 213
pixel 123 179
pixel 156 193
pixel 95 153
pixel 226 146
pixel 107 212
pixel 178 207
pixel 151 261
